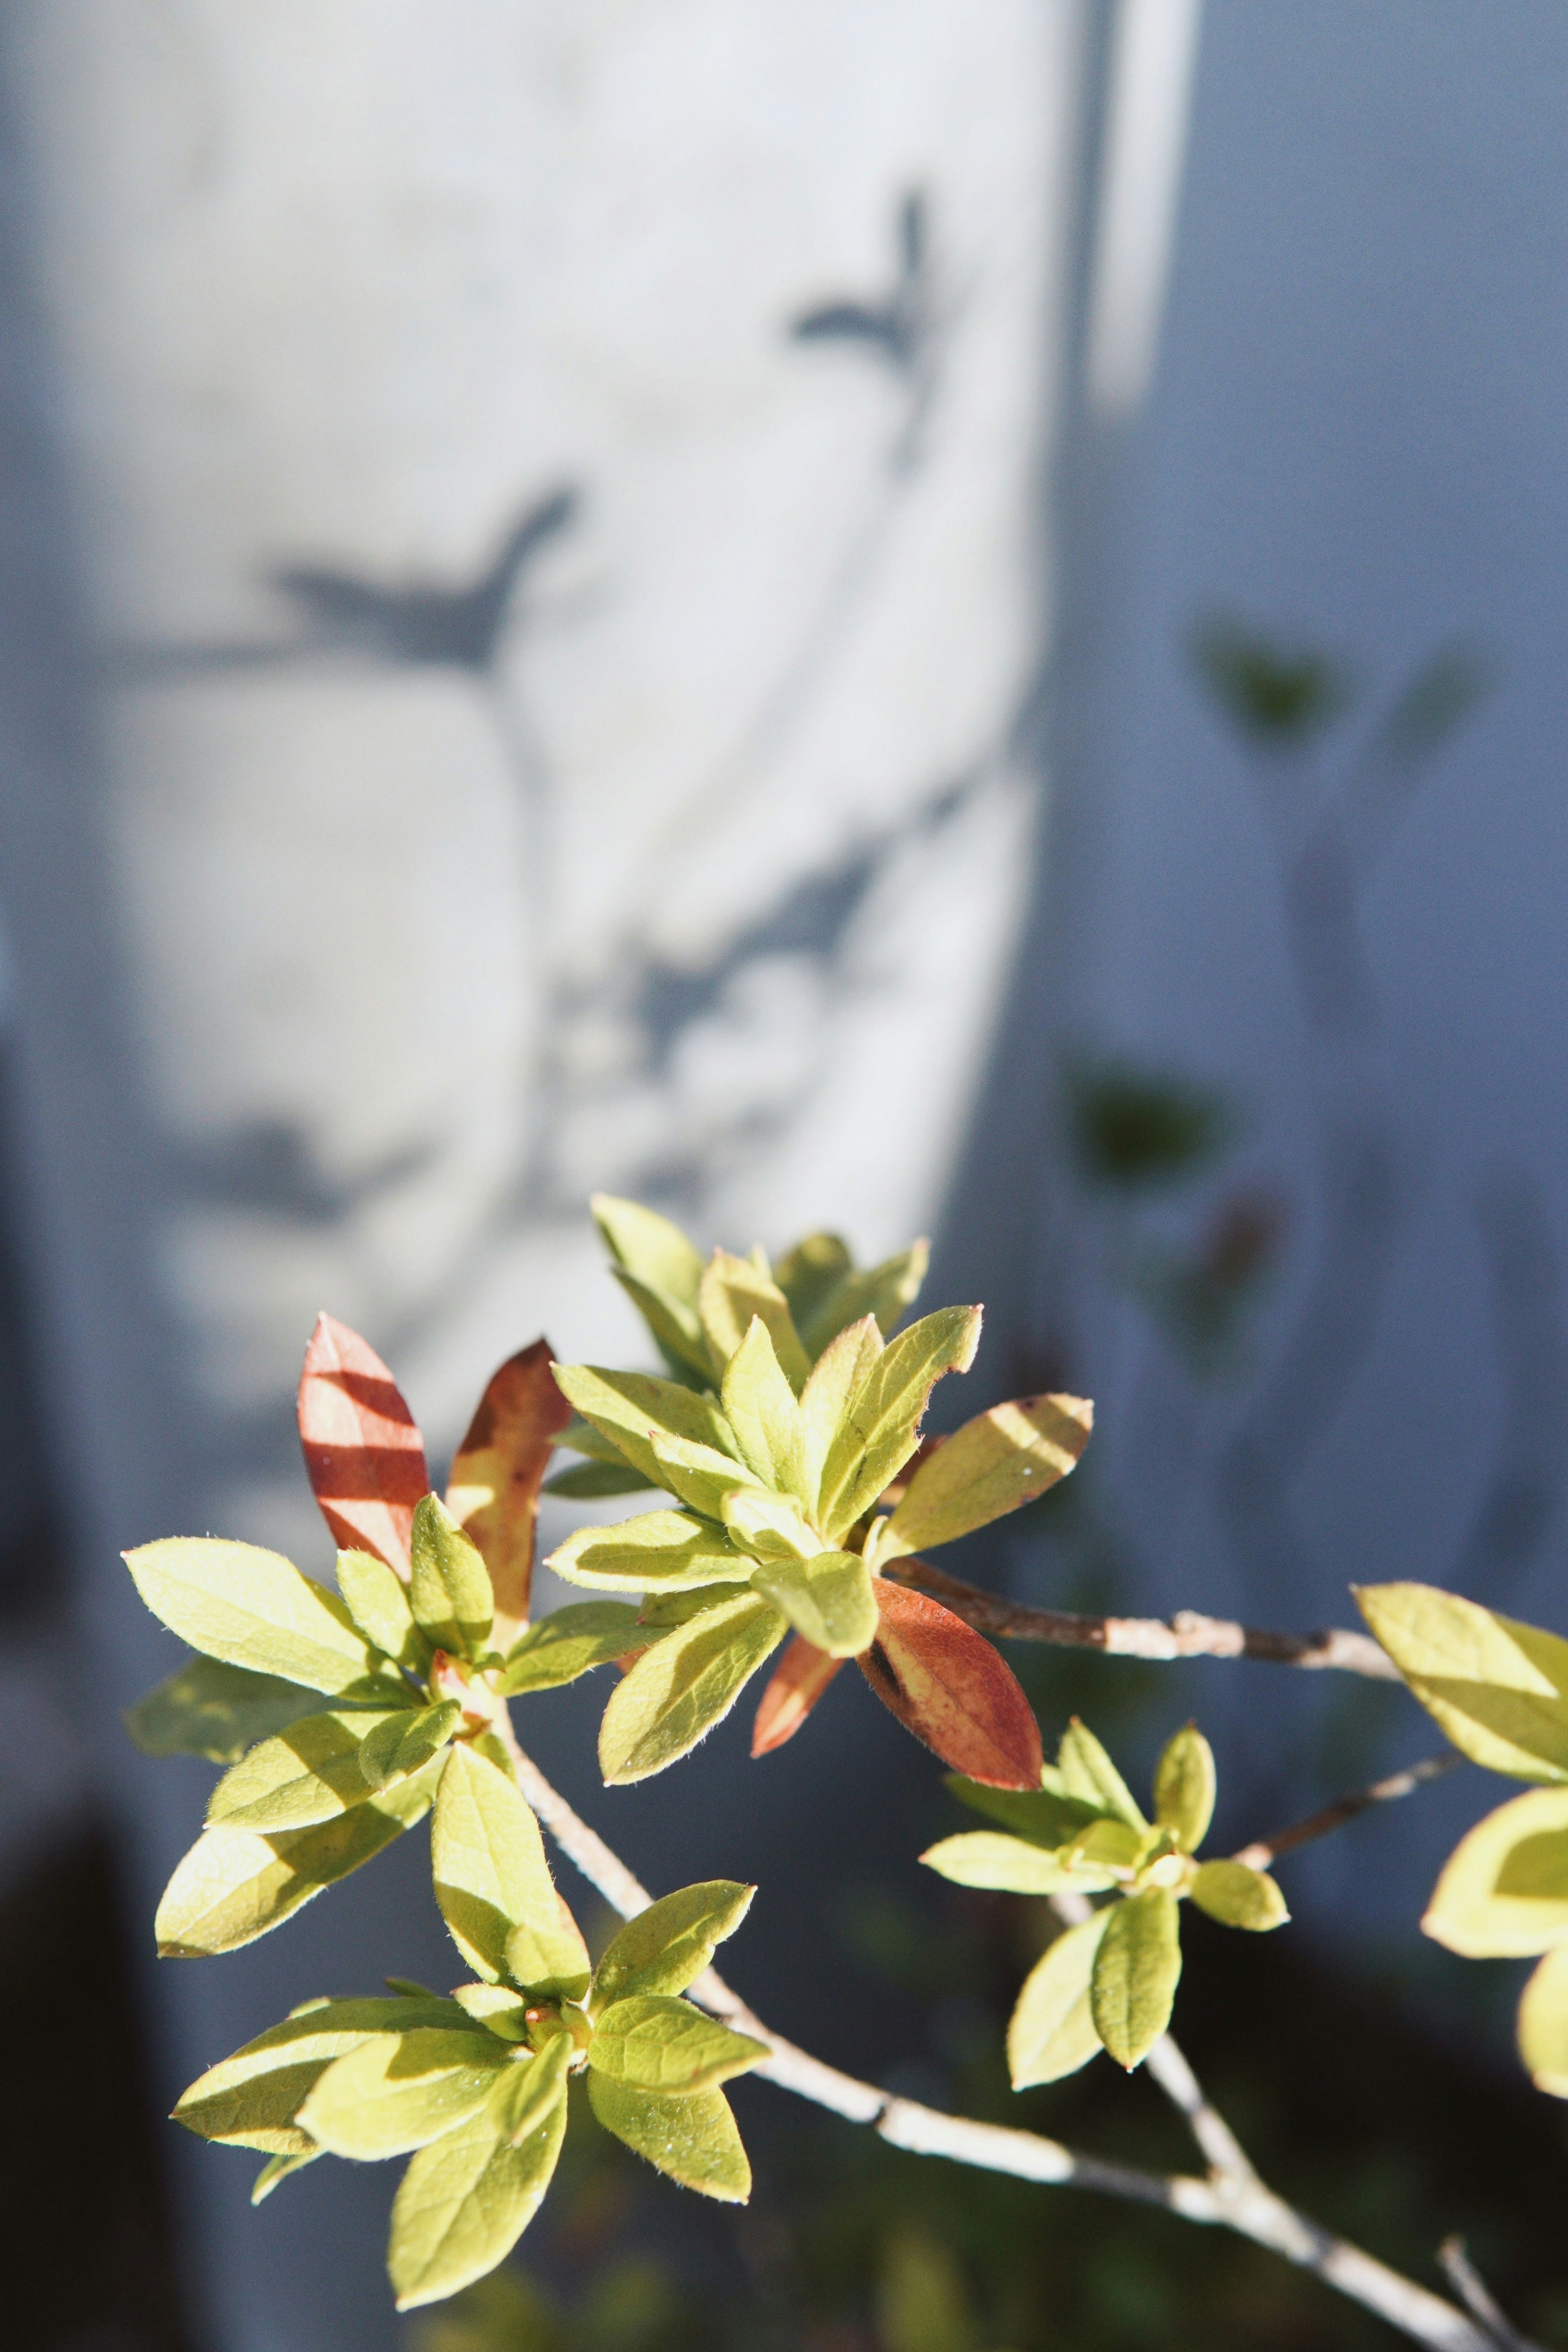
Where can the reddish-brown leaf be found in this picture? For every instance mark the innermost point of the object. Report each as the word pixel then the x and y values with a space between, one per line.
pixel 802 1675
pixel 363 1453
pixel 948 1686
pixel 494 1490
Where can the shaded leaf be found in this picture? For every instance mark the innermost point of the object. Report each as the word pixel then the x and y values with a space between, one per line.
pixel 882 1291
pixel 570 1642
pixel 1543 2024
pixel 1052 2031
pixel 406 1743
pixel 698 1475
pixel 253 1609
pixel 1134 1130
pixel 829 1601
pixel 535 2088
pixel 1503 1891
pixel 1185 1787
pixel 400 2091
pixel 626 1408
pixel 881 1425
pixel 492 1878
pixel 808 1273
pixel 988 1858
pixel 1238 1897
pixel 994 1463
pixel 684 1685
pixel 363 1453
pixel 734 1293
pixel 1278 698
pixel 450 1590
pixel 798 1682
pixel 656 2043
pixel 661 1551
pixel 492 1492
pixel 667 1947
pixel 693 2139
pixel 496 2008
pixel 951 1689
pixel 465 2200
pixel 277 2168
pixel 1088 1774
pixel 308 1773
pixel 590 1482
pixel 376 1598
pixel 251 2100
pixel 1136 1970
pixel 1046 1816
pixel 235 1884
pixel 762 1409
pixel 214 1710
pixel 1499 1689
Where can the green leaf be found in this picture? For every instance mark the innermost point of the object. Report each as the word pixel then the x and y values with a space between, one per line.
pixel 882 1291
pixel 451 1592
pixel 667 1947
pixel 406 1743
pixel 278 2167
pixel 235 1884
pixel 1184 1788
pixel 1106 1844
pixel 251 2099
pixel 880 1426
pixel 377 1601
pixel 535 2086
pixel 699 1476
pixel 693 2140
pixel 401 2091
pixel 657 2044
pixel 567 1643
pixel 627 1407
pixel 660 1610
pixel 684 1685
pixel 825 1399
pixel 1088 1774
pixel 214 1710
pixel 1136 1970
pixel 1052 2031
pixel 1543 2024
pixel 734 1292
pixel 308 1773
pixel 1499 1689
pixel 988 1858
pixel 253 1609
pixel 492 1879
pixel 588 1482
pixel 769 1527
pixel 496 2008
pixel 994 1463
pixel 809 1274
pixel 676 1329
pixel 763 1411
pixel 829 1599
pixel 467 2199
pixel 1046 1816
pixel 649 1246
pixel 1503 1892
pixel 1238 1897
pixel 661 1552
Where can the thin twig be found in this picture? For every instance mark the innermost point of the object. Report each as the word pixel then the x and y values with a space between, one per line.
pixel 1476 2296
pixel 1252 2210
pixel 1187 1634
pixel 1265 1851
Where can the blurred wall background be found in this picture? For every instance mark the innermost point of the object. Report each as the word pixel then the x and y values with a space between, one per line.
pixel 549 558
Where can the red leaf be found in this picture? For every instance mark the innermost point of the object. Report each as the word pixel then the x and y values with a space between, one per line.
pixel 494 1490
pixel 802 1675
pixel 363 1453
pixel 948 1686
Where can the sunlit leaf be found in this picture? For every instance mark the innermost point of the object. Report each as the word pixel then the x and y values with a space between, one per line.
pixel 1543 2024
pixel 497 2008
pixel 450 1589
pixel 363 1453
pixel 492 1492
pixel 656 2043
pixel 1001 1459
pixel 377 1599
pixel 1499 1689
pixel 693 2139
pixel 1238 1897
pixel 251 2100
pixel 829 1601
pixel 825 1399
pixel 570 1642
pixel 798 1682
pixel 252 1609
pixel 308 1773
pixel 406 1743
pixel 769 1527
pixel 665 1948
pixel 948 1686
pixel 734 1292
pixel 400 2091
pixel 988 1858
pixel 881 1425
pixel 628 1407
pixel 1503 1891
pixel 214 1710
pixel 684 1685
pixel 884 1291
pixel 1136 1970
pixel 1052 2031
pixel 659 1551
pixel 698 1475
pixel 1185 1787
pixel 649 1246
pixel 763 1411
pixel 465 2200
pixel 492 1879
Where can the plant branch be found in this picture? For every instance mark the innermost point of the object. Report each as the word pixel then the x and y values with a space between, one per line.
pixel 1476 2296
pixel 1187 1634
pixel 1229 2201
pixel 1265 1851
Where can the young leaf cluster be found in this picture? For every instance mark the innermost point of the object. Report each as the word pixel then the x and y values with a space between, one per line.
pixel 1110 1982
pixel 473 2089
pixel 1499 1690
pixel 788 1417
